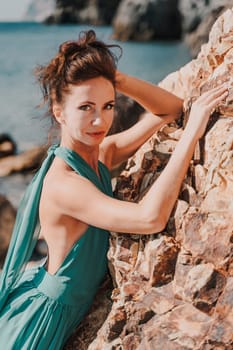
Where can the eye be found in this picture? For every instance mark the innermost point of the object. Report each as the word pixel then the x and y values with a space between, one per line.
pixel 85 107
pixel 109 106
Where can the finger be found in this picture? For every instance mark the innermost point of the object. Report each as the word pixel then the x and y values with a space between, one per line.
pixel 222 86
pixel 215 102
pixel 214 93
pixel 216 89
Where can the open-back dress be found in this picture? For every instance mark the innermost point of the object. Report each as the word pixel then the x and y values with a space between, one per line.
pixel 38 310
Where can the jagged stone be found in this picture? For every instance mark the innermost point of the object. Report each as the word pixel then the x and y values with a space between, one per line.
pixel 93 12
pixel 28 160
pixel 126 113
pixel 173 290
pixel 198 17
pixel 221 331
pixel 194 11
pixel 7 145
pixel 146 20
pixel 182 328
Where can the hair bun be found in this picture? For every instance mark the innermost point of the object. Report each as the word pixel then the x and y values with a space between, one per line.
pixel 86 38
pixel 69 48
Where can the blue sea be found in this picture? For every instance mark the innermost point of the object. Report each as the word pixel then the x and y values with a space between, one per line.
pixel 25 45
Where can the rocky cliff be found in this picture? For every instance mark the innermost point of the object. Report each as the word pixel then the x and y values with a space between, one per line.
pixel 39 10
pixel 95 12
pixel 131 19
pixel 147 20
pixel 137 20
pixel 198 16
pixel 173 290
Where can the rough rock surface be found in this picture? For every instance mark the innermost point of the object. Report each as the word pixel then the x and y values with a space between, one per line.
pixel 194 11
pixel 137 20
pixel 126 113
pixel 146 20
pixel 174 290
pixel 131 19
pixel 7 145
pixel 28 160
pixel 198 16
pixel 95 12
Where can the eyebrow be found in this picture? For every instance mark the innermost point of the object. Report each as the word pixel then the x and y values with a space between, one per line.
pixel 89 102
pixel 93 103
pixel 111 101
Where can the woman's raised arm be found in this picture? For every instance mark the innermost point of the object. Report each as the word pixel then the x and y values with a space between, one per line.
pixel 162 106
pixel 84 202
pixel 153 98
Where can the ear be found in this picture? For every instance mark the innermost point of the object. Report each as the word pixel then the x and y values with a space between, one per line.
pixel 57 112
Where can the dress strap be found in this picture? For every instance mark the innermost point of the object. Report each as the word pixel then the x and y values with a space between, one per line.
pixel 78 164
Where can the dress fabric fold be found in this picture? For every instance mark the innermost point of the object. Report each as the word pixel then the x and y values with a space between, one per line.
pixel 38 310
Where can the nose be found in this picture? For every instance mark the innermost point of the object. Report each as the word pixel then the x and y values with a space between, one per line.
pixel 97 119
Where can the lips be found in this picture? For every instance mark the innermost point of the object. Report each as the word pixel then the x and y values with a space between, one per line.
pixel 96 133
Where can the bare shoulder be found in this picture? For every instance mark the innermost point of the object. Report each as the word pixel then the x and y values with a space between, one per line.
pixel 61 185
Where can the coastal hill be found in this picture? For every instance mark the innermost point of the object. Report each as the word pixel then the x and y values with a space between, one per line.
pixel 142 20
pixel 39 10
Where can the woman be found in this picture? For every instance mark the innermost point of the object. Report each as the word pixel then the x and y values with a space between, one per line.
pixel 71 195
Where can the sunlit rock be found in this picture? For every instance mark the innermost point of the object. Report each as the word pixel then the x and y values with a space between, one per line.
pixel 173 289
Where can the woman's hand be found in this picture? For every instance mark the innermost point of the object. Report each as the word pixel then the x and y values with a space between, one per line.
pixel 202 109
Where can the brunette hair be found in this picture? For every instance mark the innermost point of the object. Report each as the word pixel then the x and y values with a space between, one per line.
pixel 76 62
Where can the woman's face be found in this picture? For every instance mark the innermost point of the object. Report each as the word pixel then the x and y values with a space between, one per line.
pixel 86 114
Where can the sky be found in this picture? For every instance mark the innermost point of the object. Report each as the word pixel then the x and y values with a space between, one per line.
pixel 12 10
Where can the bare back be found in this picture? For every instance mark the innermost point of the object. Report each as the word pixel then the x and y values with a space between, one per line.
pixel 59 231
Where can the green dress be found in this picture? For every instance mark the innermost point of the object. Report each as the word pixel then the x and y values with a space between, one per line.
pixel 39 310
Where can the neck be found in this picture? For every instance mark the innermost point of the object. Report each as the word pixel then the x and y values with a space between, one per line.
pixel 89 153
